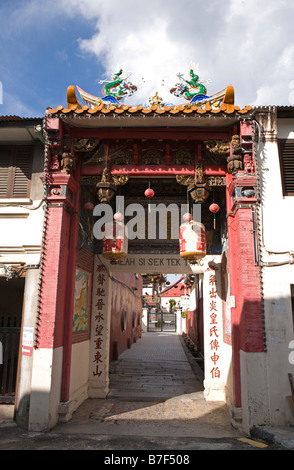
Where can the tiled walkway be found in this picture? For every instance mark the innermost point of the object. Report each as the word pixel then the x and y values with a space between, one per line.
pixel 156 367
pixel 154 392
pixel 156 347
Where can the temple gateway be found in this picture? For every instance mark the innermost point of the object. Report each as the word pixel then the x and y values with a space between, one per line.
pixel 82 298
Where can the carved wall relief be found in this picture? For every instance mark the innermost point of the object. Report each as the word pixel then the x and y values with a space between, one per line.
pixel 235 162
pixel 152 157
pixel 216 150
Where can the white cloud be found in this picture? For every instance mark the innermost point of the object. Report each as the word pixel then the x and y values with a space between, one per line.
pixel 291 93
pixel 244 43
pixel 12 105
pixel 148 54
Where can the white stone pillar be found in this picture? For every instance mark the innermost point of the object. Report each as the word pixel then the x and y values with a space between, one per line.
pixel 144 320
pixel 179 321
pixel 22 404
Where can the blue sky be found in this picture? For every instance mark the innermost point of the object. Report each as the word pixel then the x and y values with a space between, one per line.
pixel 47 46
pixel 40 57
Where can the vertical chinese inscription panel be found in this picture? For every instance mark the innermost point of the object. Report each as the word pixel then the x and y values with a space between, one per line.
pixel 100 332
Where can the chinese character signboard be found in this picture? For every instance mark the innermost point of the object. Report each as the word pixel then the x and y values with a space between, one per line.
pixel 100 331
pixel 217 354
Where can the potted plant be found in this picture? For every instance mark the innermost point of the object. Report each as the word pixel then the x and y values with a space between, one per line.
pixel 172 304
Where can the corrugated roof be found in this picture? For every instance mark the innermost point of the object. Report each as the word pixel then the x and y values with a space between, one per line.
pixel 13 118
pixel 10 118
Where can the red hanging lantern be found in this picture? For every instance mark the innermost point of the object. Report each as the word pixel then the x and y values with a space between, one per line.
pixel 214 208
pixel 149 193
pixel 88 206
pixel 115 241
pixel 192 240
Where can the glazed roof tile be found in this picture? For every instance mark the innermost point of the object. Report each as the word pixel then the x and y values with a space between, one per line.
pixel 75 108
pixel 120 110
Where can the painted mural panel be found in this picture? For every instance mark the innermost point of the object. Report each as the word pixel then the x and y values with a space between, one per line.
pixel 82 301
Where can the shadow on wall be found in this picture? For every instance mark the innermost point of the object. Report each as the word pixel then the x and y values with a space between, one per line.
pixel 263 339
pixel 41 422
pixel 126 313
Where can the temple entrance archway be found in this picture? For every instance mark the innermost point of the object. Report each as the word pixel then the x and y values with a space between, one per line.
pixel 217 354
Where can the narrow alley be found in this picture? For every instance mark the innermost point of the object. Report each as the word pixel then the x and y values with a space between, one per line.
pixel 155 402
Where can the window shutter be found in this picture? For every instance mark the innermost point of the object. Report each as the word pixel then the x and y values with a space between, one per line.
pixel 287 166
pixel 22 172
pixel 5 169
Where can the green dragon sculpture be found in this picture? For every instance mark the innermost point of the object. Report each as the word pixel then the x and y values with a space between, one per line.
pixel 186 89
pixel 118 88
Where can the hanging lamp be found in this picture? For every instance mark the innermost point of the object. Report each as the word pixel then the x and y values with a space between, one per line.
pixel 149 193
pixel 115 241
pixel 214 208
pixel 192 240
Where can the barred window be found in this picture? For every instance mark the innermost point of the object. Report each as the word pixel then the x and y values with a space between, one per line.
pixel 15 171
pixel 286 151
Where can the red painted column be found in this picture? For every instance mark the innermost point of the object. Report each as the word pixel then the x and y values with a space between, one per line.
pixel 56 277
pixel 246 316
pixel 69 299
pixel 59 252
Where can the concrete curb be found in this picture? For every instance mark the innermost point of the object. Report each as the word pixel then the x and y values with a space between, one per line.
pixel 282 436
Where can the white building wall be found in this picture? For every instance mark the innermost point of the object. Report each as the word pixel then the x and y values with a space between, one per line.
pixel 21 222
pixel 45 389
pixel 79 380
pixel 277 246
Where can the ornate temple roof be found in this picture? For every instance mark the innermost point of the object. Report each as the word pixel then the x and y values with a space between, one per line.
pixel 223 105
pixel 206 113
pixel 198 107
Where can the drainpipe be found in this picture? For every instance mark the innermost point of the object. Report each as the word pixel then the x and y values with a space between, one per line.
pixel 45 195
pixel 256 139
